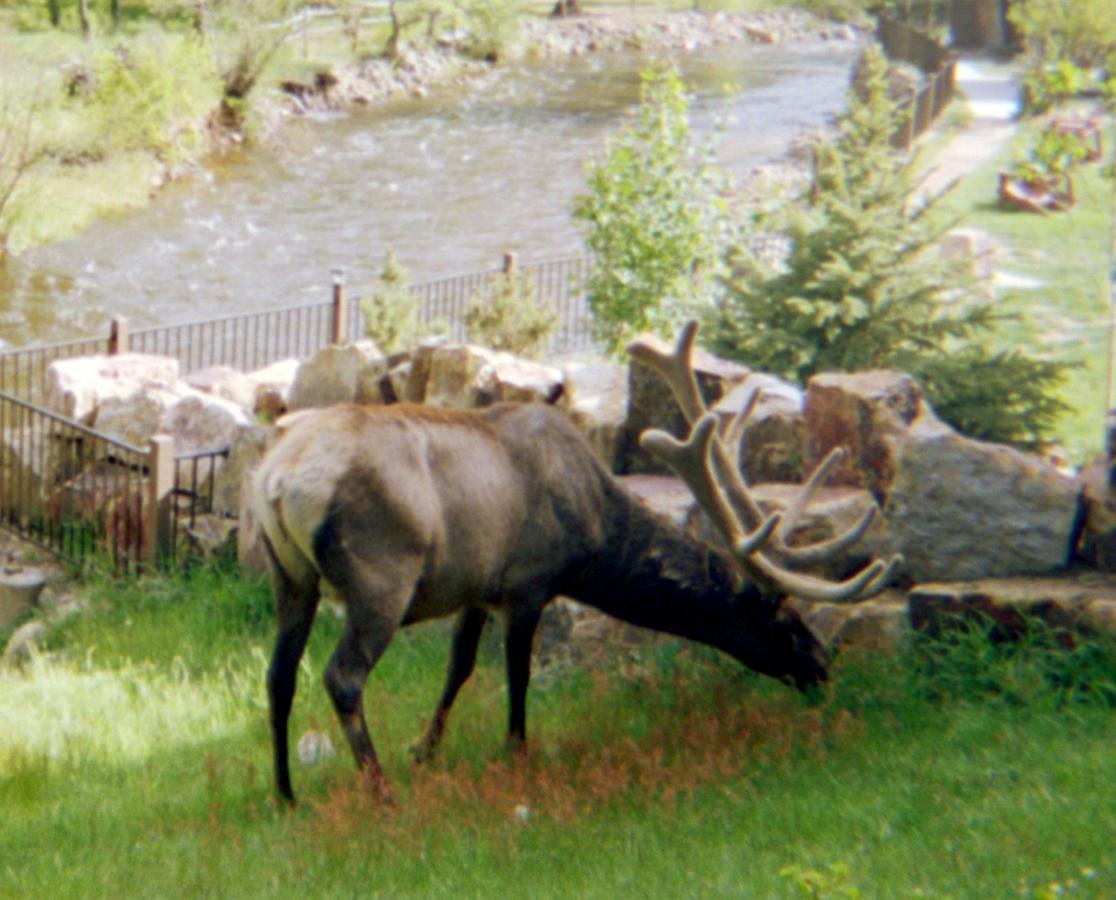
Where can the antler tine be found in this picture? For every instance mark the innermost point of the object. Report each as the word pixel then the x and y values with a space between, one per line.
pixel 676 368
pixel 690 459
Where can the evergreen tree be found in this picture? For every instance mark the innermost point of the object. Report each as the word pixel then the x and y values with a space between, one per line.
pixel 863 286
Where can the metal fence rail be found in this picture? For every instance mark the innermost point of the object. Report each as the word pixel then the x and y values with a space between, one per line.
pixel 69 489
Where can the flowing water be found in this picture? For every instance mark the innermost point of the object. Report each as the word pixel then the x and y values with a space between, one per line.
pixel 451 182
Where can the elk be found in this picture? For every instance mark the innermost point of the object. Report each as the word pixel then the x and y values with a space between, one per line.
pixel 411 513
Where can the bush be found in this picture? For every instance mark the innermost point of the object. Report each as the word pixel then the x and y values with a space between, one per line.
pixel 510 318
pixel 652 216
pixel 1082 32
pixel 864 286
pixel 156 97
pixel 391 311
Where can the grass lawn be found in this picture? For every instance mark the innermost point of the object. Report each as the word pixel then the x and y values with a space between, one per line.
pixel 1067 257
pixel 134 761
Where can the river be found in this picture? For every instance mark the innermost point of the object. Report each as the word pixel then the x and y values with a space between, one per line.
pixel 451 182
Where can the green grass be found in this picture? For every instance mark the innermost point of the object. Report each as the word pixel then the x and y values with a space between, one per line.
pixel 134 761
pixel 1066 317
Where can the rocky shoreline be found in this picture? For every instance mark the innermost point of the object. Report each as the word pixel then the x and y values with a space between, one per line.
pixel 415 73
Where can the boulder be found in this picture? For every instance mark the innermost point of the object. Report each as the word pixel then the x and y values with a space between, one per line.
pixel 19 593
pixel 273 388
pixel 464 376
pixel 869 414
pixel 246 449
pixel 251 552
pixel 418 373
pixel 771 447
pixel 200 422
pixel 1069 603
pixel 340 373
pixel 880 624
pixel 23 642
pixel 1098 532
pixel 137 417
pixel 959 509
pixel 208 536
pixel 76 387
pixel 226 383
pixel 651 403
pixel 595 395
pixel 664 494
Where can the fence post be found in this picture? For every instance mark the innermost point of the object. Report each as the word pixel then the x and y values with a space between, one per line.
pixel 160 488
pixel 339 331
pixel 118 336
pixel 510 262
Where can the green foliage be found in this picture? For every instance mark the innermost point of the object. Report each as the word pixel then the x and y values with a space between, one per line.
pixel 391 311
pixel 157 96
pixel 1080 31
pixel 1046 85
pixel 510 318
pixel 853 11
pixel 864 287
pixel 652 217
pixel 831 883
pixel 492 28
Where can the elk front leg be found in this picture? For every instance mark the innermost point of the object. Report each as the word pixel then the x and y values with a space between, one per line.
pixel 463 656
pixel 523 619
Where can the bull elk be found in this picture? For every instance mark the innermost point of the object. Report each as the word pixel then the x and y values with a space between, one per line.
pixel 412 513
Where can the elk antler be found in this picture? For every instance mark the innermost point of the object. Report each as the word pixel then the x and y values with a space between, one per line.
pixel 707 466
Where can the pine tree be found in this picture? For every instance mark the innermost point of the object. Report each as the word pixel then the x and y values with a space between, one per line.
pixel 863 285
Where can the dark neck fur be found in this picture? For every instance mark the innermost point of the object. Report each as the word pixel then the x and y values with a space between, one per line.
pixel 649 573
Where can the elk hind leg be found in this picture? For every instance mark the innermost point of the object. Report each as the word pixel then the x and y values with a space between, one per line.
pixel 376 599
pixel 295 605
pixel 463 657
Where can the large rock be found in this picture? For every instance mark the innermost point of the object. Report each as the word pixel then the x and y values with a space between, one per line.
pixel 960 509
pixel 137 417
pixel 463 376
pixel 595 395
pixel 19 593
pixel 273 388
pixel 651 403
pixel 226 383
pixel 246 449
pixel 1098 533
pixel 200 422
pixel 1072 602
pixel 76 387
pixel 869 414
pixel 880 624
pixel 340 373
pixel 771 448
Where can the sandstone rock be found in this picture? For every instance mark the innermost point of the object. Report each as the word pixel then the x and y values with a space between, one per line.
pixel 246 449
pixel 464 376
pixel 596 397
pixel 226 383
pixel 651 403
pixel 208 536
pixel 136 417
pixel 664 494
pixel 879 624
pixel 199 422
pixel 868 413
pixel 76 387
pixel 340 373
pixel 251 553
pixel 774 437
pixel 22 643
pixel 19 593
pixel 959 509
pixel 419 374
pixel 1068 604
pixel 273 388
pixel 1098 534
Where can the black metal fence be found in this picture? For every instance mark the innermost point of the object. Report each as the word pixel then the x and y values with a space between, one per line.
pixel 939 65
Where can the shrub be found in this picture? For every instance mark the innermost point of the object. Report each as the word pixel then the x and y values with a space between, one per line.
pixel 156 97
pixel 863 286
pixel 510 318
pixel 391 311
pixel 1080 31
pixel 652 216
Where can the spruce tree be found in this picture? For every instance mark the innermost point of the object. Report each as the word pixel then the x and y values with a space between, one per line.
pixel 863 285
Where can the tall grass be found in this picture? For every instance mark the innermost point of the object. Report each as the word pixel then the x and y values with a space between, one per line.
pixel 134 761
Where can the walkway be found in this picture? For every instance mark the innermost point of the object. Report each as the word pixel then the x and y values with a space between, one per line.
pixel 993 96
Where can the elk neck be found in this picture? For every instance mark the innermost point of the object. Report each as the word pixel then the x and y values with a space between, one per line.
pixel 652 574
